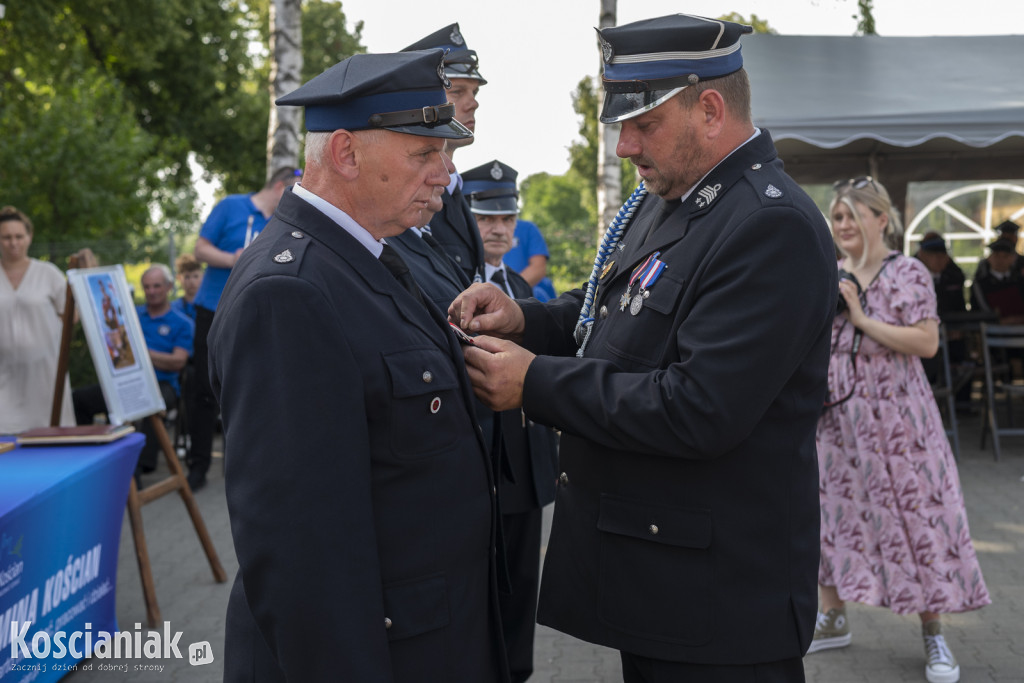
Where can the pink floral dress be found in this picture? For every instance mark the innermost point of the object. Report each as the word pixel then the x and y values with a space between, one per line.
pixel 893 527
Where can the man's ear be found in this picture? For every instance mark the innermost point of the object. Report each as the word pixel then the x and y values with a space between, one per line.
pixel 712 109
pixel 341 150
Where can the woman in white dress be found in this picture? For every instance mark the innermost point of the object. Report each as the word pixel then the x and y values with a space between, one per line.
pixel 32 295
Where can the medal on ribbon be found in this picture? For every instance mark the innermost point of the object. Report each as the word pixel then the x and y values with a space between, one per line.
pixel 645 275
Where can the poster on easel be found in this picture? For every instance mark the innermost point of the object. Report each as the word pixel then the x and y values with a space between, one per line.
pixel 118 349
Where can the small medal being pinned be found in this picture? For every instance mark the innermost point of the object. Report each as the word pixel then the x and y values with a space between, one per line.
pixel 646 274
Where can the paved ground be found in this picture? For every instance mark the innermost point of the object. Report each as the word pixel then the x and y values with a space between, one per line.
pixel 886 648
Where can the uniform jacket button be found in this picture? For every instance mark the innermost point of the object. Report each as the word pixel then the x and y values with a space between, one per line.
pixel 604 312
pixel 428 377
pixel 563 479
pixel 387 623
pixel 653 529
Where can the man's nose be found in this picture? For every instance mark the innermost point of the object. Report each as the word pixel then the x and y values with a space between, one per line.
pixel 627 146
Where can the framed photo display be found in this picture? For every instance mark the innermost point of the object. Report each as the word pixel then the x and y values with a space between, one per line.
pixel 118 349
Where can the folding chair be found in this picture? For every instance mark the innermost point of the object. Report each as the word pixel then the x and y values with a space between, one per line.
pixel 944 391
pixel 999 378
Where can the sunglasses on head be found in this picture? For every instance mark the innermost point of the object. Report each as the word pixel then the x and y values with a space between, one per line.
pixel 857 183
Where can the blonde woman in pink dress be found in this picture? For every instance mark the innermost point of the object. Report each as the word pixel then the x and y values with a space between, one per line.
pixel 894 531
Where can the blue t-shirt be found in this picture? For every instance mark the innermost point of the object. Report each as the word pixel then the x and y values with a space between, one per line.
pixel 529 242
pixel 228 228
pixel 163 333
pixel 185 308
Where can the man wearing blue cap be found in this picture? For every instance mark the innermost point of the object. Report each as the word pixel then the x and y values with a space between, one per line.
pixel 453 226
pixel 530 455
pixel 361 496
pixel 687 380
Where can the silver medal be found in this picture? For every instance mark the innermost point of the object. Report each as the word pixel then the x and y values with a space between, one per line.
pixel 638 302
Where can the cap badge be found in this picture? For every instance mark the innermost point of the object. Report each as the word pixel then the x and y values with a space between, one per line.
pixel 607 51
pixel 456 37
pixel 284 257
pixel 773 192
pixel 707 195
pixel 496 171
pixel 440 72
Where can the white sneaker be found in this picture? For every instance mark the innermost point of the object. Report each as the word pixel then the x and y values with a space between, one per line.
pixel 831 630
pixel 940 664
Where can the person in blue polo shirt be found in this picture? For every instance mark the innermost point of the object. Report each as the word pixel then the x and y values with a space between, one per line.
pixel 168 336
pixel 232 225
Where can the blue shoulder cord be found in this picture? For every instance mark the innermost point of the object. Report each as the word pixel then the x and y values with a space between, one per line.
pixel 608 243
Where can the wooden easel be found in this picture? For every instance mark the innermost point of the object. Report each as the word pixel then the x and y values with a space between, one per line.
pixel 136 498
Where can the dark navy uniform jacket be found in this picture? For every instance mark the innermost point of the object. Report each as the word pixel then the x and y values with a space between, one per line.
pixel 528 483
pixel 688 504
pixel 455 228
pixel 361 498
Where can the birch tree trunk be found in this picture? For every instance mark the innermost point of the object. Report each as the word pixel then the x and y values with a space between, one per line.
pixel 609 171
pixel 285 76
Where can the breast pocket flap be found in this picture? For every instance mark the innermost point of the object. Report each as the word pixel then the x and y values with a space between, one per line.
pixel 683 527
pixel 415 372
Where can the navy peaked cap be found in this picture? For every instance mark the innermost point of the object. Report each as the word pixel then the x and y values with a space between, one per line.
pixel 459 60
pixel 491 188
pixel 647 62
pixel 403 92
pixel 1004 245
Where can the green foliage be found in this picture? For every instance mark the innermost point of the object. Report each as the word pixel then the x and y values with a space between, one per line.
pixel 558 205
pixel 325 40
pixel 865 18
pixel 760 25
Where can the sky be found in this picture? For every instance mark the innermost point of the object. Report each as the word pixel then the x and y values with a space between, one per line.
pixel 534 52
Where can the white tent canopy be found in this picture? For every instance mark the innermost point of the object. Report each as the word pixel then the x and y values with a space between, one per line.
pixel 900 109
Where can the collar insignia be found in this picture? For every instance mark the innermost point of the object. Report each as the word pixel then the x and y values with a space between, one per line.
pixel 707 194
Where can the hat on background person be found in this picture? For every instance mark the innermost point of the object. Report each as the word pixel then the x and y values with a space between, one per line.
pixel 459 60
pixel 1002 245
pixel 403 92
pixel 491 189
pixel 934 243
pixel 1007 228
pixel 647 62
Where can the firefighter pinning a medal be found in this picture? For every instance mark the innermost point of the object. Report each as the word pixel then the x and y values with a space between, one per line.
pixel 686 379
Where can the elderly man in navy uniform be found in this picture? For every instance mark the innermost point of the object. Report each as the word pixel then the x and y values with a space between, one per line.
pixel 453 226
pixel 531 450
pixel 687 380
pixel 362 504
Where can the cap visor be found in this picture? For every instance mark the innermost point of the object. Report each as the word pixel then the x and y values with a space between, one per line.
pixel 620 106
pixel 498 206
pixel 453 130
pixel 463 71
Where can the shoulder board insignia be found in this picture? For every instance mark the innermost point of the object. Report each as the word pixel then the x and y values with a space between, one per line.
pixel 284 257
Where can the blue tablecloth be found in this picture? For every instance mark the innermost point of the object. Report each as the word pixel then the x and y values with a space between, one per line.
pixel 61 510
